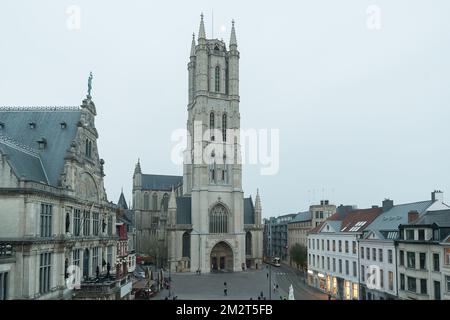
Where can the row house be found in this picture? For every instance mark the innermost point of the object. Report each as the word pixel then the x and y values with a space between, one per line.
pixel 423 257
pixel 333 252
pixel 378 256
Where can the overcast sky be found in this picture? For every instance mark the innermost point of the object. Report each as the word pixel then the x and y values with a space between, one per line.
pixel 363 113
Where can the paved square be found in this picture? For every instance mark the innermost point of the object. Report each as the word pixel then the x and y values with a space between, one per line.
pixel 241 286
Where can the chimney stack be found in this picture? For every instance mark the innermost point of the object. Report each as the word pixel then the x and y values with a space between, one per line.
pixel 412 216
pixel 387 204
pixel 437 195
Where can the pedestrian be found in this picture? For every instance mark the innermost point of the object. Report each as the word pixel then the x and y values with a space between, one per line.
pixel 259 298
pixel 261 294
pixel 267 275
pixel 277 286
pixel 329 296
pixel 225 290
pixel 274 288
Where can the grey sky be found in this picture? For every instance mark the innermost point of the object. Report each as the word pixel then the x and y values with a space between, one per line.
pixel 363 114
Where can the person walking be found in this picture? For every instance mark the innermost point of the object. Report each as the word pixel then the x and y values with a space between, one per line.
pixel 225 289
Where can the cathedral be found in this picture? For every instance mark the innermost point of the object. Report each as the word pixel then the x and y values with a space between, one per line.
pixel 201 222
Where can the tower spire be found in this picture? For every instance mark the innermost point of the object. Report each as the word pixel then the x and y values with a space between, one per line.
pixel 193 45
pixel 201 32
pixel 137 169
pixel 233 41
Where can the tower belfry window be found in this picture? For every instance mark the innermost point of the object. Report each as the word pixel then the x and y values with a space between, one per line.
pixel 224 127
pixel 211 125
pixel 217 79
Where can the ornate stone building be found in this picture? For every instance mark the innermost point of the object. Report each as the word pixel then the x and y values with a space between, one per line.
pixel 54 213
pixel 202 218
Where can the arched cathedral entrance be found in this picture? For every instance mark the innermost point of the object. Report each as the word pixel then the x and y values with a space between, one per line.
pixel 221 257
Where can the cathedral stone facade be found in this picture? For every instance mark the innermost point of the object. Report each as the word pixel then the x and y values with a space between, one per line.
pixel 201 221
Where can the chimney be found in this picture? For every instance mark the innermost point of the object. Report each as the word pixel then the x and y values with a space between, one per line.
pixel 437 195
pixel 412 216
pixel 387 204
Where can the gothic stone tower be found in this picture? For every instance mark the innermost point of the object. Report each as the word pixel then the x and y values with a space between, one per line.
pixel 212 173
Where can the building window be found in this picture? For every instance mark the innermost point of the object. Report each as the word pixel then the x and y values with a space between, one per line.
pixel 422 260
pixel 4 285
pixel 421 234
pixel 77 222
pixel 224 127
pixel 334 245
pixel 447 281
pixel 409 234
pixel 218 219
pixel 380 255
pixel 95 223
pixel 381 278
pixel 110 226
pixel 45 272
pixel 347 267
pixel 354 247
pixel 211 122
pixel 146 201
pixel 411 257
pixel 323 262
pixel 368 253
pixel 362 274
pixel 436 262
pixel 374 254
pixel 76 257
pixel 86 223
pixel 362 253
pixel 165 202
pixel 334 264
pixel 411 284
pixel 328 263
pixel 217 79
pixel 109 255
pixel 88 150
pixel 402 281
pixel 309 243
pixel 391 280
pixel 355 270
pixel 340 266
pixel 423 286
pixel 46 220
pixel 402 257
pixel 340 246
pixel 390 256
pixel 95 263
pixel 323 246
pixel 155 201
pixel 328 245
pixel 346 246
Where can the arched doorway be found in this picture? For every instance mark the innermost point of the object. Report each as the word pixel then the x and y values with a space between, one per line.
pixel 221 257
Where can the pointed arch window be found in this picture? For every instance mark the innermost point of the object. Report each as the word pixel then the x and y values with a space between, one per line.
pixel 186 245
pixel 218 219
pixel 155 201
pixel 217 79
pixel 211 125
pixel 165 202
pixel 224 127
pixel 146 201
pixel 248 243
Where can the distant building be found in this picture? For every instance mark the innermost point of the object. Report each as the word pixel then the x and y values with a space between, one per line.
pixel 276 236
pixel 303 222
pixel 422 249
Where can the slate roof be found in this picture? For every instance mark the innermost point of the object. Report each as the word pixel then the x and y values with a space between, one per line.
pixel 249 211
pixel 389 220
pixel 439 217
pixel 24 163
pixel 360 219
pixel 301 217
pixel 16 126
pixel 184 215
pixel 160 182
pixel 122 203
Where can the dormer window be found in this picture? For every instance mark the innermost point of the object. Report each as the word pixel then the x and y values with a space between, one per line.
pixel 32 125
pixel 42 143
pixel 63 125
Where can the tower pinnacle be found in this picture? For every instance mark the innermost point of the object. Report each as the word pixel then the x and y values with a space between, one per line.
pixel 193 45
pixel 233 41
pixel 201 32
